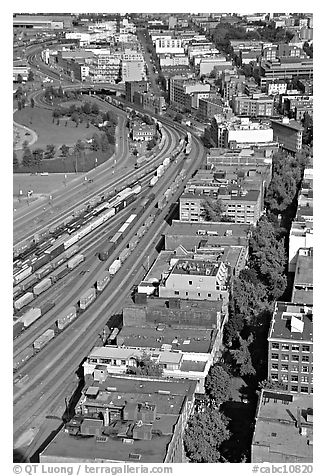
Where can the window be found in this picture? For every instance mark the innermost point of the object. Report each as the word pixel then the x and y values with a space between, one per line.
pixel 295 368
pixel 274 376
pixel 92 361
pixel 186 293
pixel 176 293
pixel 198 294
pixel 295 348
pixel 285 357
pixel 275 366
pixel 305 368
pixel 275 345
pixel 284 378
pixel 294 388
pixel 306 348
pixel 275 356
pixel 305 358
pixel 304 389
pixel 304 379
pixel 295 358
pixel 285 347
pixel 123 362
pixel 209 295
pixel 190 283
pixel 294 378
pixel 285 367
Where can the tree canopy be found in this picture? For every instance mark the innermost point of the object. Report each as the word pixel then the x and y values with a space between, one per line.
pixel 204 435
pixel 218 384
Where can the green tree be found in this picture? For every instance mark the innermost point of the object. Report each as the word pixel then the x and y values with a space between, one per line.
pixel 242 357
pixel 49 152
pixel 307 134
pixel 212 209
pixel 151 144
pixel 32 103
pixel 64 150
pixel 96 142
pixel 145 366
pixel 27 157
pixel 178 118
pixel 105 143
pixel 204 435
pixel 94 108
pixel 19 78
pixel 218 384
pixel 86 107
pixel 15 160
pixel 271 385
pixel 38 156
pixel 30 76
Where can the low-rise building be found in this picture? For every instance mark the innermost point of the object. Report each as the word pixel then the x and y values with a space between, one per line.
pixel 288 133
pixel 180 87
pixel 241 132
pixel 125 419
pixel 259 105
pixel 141 131
pixel 283 428
pixel 303 279
pixel 210 106
pixel 290 347
pixel 117 360
pixel 135 86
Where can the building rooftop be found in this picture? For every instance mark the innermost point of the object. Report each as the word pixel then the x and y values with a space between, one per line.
pixel 195 267
pixel 244 196
pixel 304 268
pixel 185 340
pixel 292 322
pixel 278 422
pixel 222 229
pixel 165 400
pixel 291 124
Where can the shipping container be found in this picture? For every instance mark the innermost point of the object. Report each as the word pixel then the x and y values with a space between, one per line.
pixel 70 241
pixel 133 242
pixel 17 329
pixel 42 286
pixel 29 282
pixel 59 274
pixel 23 301
pixel 123 228
pixel 115 266
pixel 41 235
pixel 71 251
pixel 106 252
pixel 153 181
pixel 31 316
pixel 124 254
pixel 119 206
pixel 66 317
pixel 44 271
pixel 141 232
pixel 131 218
pixel 58 261
pixel 87 298
pixel 46 307
pixel 41 341
pixel 102 281
pixel 129 200
pixel 160 171
pixel 21 275
pixel 166 162
pixel 116 238
pixel 23 357
pixel 17 291
pixel 135 190
pixel 75 261
pixel 38 263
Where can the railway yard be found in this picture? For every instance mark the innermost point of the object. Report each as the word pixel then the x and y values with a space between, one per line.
pixel 74 267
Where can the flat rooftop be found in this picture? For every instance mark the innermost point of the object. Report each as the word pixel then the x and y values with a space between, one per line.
pixel 281 322
pixel 219 228
pixel 186 340
pixel 276 428
pixel 195 267
pixel 304 270
pixel 117 393
pixel 249 196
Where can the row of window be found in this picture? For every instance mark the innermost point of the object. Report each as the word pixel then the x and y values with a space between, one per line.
pixel 296 388
pixel 293 368
pixel 294 347
pixel 294 357
pixel 177 293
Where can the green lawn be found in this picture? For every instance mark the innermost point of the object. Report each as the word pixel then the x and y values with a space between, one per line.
pixel 40 120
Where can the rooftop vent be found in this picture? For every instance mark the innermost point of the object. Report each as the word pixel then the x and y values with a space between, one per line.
pixel 127 441
pixel 101 439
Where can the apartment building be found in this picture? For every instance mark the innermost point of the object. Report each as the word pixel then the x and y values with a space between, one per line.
pixel 141 131
pixel 240 206
pixel 210 106
pixel 135 86
pixel 285 68
pixel 290 347
pixel 166 60
pixel 150 102
pixel 240 133
pixel 288 133
pixel 169 45
pixel 181 87
pixel 133 70
pixel 232 84
pixel 253 106
pixel 121 419
pixel 283 428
